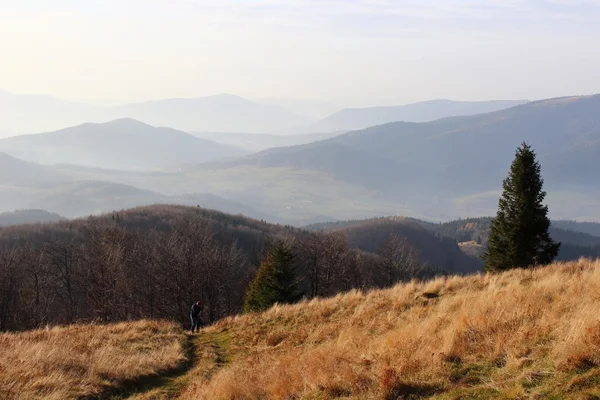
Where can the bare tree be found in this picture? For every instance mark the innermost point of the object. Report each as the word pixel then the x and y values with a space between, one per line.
pixel 38 288
pixel 398 260
pixel 324 257
pixel 107 251
pixel 61 257
pixel 11 277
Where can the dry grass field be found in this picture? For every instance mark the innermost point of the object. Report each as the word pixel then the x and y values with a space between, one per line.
pixel 85 360
pixel 523 334
pixel 517 335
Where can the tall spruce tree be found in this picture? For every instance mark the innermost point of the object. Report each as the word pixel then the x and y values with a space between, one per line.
pixel 275 281
pixel 519 234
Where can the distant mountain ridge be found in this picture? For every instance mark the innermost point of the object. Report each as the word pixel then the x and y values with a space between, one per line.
pixel 361 118
pixel 460 159
pixel 118 144
pixel 223 113
pixel 30 216
pixel 24 113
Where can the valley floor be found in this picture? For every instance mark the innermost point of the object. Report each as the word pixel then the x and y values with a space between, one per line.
pixel 516 335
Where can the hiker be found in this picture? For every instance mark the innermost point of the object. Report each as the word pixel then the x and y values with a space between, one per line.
pixel 194 316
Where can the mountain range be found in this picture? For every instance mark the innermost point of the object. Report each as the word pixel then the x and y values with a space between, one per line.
pixel 31 216
pixel 462 160
pixel 223 113
pixel 75 191
pixel 120 144
pixel 437 170
pixel 360 118
pixel 24 113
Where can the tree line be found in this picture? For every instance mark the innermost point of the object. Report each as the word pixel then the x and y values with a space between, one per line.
pixel 154 263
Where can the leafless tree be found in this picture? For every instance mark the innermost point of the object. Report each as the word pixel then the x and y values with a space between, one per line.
pixel 398 260
pixel 325 257
pixel 10 286
pixel 61 258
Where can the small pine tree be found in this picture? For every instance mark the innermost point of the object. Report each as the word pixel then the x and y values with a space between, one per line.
pixel 519 234
pixel 275 281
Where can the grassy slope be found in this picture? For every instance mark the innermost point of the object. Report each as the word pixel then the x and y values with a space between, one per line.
pixel 86 360
pixel 521 334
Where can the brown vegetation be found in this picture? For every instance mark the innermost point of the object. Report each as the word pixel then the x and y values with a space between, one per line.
pixel 85 360
pixel 434 250
pixel 520 334
pixel 154 262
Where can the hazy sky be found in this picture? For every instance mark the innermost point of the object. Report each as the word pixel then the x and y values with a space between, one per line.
pixel 349 51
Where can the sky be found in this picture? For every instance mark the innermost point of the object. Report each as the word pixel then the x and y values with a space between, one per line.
pixel 352 52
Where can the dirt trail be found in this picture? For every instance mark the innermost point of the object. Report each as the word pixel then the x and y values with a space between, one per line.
pixel 206 353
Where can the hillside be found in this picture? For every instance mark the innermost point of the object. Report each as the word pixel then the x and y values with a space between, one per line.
pixel 471 235
pixel 262 141
pixel 87 361
pixel 443 253
pixel 419 164
pixel 361 118
pixel 20 217
pixel 20 173
pixel 82 198
pixel 591 228
pixel 119 144
pixel 477 229
pixel 444 339
pixel 108 267
pixel 519 334
pixel 149 262
pixel 75 191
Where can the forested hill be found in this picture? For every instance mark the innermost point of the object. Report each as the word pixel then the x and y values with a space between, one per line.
pixel 153 262
pixel 30 216
pixel 574 236
pixel 371 234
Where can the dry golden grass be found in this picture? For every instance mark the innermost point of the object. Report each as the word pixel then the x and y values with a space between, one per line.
pixel 517 335
pixel 83 360
pixel 520 334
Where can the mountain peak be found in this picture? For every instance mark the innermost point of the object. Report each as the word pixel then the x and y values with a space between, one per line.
pixel 125 123
pixel 226 98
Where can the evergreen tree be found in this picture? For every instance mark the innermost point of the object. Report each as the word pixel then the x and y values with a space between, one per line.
pixel 275 281
pixel 519 234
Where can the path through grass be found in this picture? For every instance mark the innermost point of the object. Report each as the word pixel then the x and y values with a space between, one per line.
pixel 206 352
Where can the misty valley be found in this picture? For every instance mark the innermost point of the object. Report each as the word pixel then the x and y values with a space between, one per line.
pixel 418 160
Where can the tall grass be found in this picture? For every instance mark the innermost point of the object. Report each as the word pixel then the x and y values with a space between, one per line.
pixel 520 334
pixel 83 360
